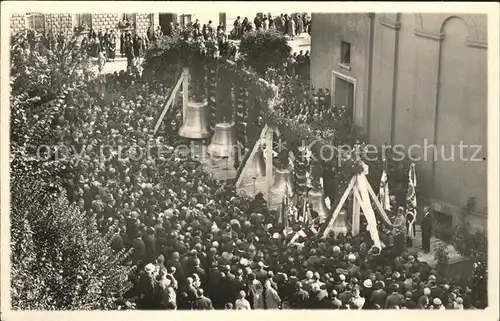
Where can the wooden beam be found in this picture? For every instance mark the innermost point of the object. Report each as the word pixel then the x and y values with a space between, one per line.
pixel 169 102
pixel 252 155
pixel 376 201
pixel 369 214
pixel 339 206
pixel 185 92
pixel 269 163
pixel 356 219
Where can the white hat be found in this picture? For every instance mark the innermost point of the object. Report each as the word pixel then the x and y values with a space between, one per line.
pixel 437 301
pixel 351 257
pixel 367 284
pixel 149 268
pixel 276 236
pixel 269 226
pixel 342 277
pixel 244 261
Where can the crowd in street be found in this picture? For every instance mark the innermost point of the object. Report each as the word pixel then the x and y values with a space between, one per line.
pixel 200 246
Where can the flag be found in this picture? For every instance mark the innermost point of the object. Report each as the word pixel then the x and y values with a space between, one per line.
pixel 383 194
pixel 296 236
pixel 304 211
pixel 310 221
pixel 285 210
pixel 411 201
pixel 411 196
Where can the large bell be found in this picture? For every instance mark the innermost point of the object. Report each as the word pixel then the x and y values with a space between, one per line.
pixel 223 141
pixel 196 121
pixel 282 182
pixel 340 224
pixel 317 200
pixel 256 167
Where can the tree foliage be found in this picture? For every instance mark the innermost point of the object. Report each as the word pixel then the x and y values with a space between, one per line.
pixel 264 49
pixel 59 260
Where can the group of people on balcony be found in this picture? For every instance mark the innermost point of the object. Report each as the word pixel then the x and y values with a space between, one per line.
pixel 292 25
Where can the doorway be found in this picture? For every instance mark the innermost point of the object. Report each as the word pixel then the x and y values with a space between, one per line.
pixel 343 90
pixel 164 20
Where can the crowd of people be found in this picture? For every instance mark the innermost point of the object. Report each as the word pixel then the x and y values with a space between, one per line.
pixel 102 45
pixel 197 244
pixel 291 25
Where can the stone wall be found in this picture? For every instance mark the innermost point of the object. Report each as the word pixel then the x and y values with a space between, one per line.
pixel 105 21
pixel 142 23
pixel 17 23
pixel 59 22
pixel 421 84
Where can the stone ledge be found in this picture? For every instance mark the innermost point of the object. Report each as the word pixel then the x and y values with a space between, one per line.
pixel 429 34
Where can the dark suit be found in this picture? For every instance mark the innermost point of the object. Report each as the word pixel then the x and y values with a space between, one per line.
pixel 426 226
pixel 203 303
pixel 299 299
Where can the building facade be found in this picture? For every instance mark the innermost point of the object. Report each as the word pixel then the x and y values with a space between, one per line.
pixel 419 80
pixel 139 22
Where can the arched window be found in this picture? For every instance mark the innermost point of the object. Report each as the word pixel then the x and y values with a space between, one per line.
pixel 35 21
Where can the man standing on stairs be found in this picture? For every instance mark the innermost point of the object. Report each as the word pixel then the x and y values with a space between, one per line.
pixel 426 226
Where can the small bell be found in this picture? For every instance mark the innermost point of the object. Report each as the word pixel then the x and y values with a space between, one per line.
pixel 340 224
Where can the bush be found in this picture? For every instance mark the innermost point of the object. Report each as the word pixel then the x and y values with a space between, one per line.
pixel 59 259
pixel 264 49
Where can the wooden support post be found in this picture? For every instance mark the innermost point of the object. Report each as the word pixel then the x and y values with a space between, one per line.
pixel 269 164
pixel 339 206
pixel 375 200
pixel 185 92
pixel 356 221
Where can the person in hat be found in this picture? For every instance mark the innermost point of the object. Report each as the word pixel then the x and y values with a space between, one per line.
pixel 379 294
pixel 242 303
pixel 366 292
pixel 299 299
pixel 270 298
pixel 260 272
pixel 357 302
pixel 438 304
pixel 336 303
pixel 202 302
pixel 426 225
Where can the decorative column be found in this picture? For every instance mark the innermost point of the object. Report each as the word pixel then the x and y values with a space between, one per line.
pixel 241 113
pixel 301 167
pixel 212 78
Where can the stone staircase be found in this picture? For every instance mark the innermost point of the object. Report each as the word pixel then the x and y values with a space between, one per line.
pixel 454 256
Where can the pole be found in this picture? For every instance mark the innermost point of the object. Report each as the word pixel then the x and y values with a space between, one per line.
pixel 185 92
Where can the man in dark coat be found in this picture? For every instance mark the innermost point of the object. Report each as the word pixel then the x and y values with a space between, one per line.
pixel 139 248
pixel 426 226
pixel 300 298
pixel 202 302
pixel 150 241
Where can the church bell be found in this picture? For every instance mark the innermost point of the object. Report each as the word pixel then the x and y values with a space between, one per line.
pixel 196 121
pixel 282 182
pixel 317 200
pixel 223 141
pixel 340 224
